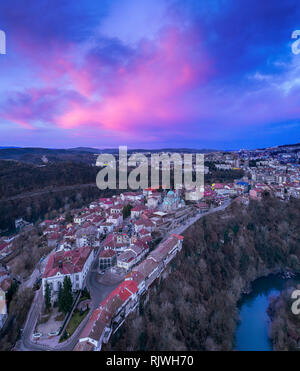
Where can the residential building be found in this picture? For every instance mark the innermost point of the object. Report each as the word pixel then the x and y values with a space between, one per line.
pixel 74 264
pixel 116 241
pixel 107 259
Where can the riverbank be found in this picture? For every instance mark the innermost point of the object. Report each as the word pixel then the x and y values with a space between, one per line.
pixel 253 329
pixel 196 307
pixel 285 325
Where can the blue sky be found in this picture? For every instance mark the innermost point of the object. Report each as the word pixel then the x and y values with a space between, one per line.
pixel 149 73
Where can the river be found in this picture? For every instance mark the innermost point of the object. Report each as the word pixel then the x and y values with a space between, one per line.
pixel 252 331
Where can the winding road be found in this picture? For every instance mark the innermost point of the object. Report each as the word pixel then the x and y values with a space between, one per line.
pixel 98 293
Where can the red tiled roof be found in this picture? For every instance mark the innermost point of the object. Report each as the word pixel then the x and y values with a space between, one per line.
pixel 218 186
pixel 67 262
pixel 107 253
pixel 146 239
pixel 135 194
pixel 3 246
pixel 127 256
pixel 84 346
pixel 139 208
pixel 123 291
pixel 146 267
pixel 96 324
pixel 144 221
pixel 141 243
pixel 111 241
pixel 102 316
pixel 117 207
pixel 181 238
pixel 135 276
pixel 163 249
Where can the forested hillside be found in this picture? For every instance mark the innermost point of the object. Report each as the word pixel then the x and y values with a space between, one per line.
pixel 33 192
pixel 17 177
pixel 285 326
pixel 38 156
pixel 195 307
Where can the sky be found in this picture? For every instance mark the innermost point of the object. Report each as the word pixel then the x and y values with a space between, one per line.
pixel 149 73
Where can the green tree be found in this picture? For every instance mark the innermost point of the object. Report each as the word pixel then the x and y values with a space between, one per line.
pixel 126 211
pixel 235 229
pixel 69 218
pixel 11 292
pixel 60 298
pixel 66 295
pixel 47 296
pixel 85 293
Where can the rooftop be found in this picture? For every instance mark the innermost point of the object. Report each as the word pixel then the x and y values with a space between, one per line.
pixel 67 262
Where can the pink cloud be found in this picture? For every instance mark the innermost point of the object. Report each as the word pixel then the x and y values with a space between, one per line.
pixel 147 91
pixel 162 88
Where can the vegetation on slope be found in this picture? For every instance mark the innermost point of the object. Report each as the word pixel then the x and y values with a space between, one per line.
pixel 285 326
pixel 35 193
pixel 18 178
pixel 195 307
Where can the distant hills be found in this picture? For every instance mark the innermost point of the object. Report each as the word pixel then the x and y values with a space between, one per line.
pixel 115 150
pixel 41 156
pixel 8 147
pixel 87 155
pixel 290 145
pixel 85 149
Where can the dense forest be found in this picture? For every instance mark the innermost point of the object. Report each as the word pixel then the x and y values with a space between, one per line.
pixel 17 177
pixel 221 176
pixel 38 156
pixel 47 205
pixel 38 191
pixel 195 307
pixel 34 192
pixel 18 307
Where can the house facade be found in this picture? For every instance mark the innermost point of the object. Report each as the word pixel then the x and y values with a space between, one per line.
pixel 107 259
pixel 74 264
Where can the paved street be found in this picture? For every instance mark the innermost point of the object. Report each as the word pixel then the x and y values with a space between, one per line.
pixel 98 293
pixel 182 228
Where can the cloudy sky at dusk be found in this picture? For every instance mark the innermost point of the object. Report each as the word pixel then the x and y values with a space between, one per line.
pixel 149 73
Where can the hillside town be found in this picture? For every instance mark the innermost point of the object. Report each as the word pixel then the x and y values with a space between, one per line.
pixel 117 247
